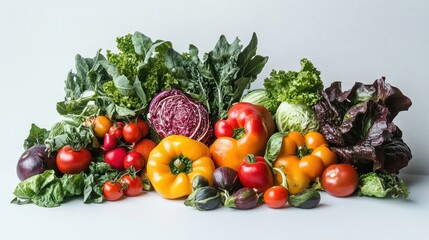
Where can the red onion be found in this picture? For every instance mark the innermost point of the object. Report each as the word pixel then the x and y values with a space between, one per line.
pixel 35 160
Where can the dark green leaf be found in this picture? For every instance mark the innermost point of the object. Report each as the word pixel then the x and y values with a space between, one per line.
pixel 44 190
pixel 73 184
pixel 36 136
pixel 139 91
pixel 248 53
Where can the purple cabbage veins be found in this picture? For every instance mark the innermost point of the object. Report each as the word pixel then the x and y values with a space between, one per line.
pixel 172 112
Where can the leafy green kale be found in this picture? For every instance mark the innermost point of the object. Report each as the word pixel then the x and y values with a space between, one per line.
pixel 121 85
pixel 69 132
pixel 301 87
pixel 220 79
pixel 381 185
pixel 141 58
pixel 66 132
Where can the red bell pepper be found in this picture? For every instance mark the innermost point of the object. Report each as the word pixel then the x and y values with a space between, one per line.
pixel 245 131
pixel 254 172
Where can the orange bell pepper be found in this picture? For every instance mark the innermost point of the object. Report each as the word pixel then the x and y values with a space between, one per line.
pixel 245 131
pixel 302 158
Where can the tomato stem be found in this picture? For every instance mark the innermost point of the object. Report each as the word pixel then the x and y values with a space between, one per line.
pixel 251 158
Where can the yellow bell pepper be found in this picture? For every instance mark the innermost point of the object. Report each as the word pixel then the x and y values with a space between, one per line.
pixel 174 162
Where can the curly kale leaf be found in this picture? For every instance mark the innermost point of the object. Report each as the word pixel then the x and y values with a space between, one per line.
pixel 301 87
pixel 140 59
pixel 381 185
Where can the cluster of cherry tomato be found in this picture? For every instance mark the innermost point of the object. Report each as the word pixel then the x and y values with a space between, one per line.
pixel 120 158
pixel 124 147
pixel 128 185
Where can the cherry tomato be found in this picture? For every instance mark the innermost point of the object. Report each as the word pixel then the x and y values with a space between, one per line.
pixel 109 142
pixel 144 147
pixel 134 159
pixel 115 158
pixel 144 127
pixel 312 166
pixel 314 139
pixel 101 126
pixel 132 132
pixel 133 186
pixel 116 129
pixel 112 191
pixel 223 129
pixel 325 154
pixel 276 196
pixel 340 180
pixel 72 162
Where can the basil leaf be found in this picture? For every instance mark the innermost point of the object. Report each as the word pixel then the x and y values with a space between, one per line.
pixel 274 146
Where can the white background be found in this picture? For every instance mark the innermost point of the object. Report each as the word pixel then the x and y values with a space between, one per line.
pixel 347 41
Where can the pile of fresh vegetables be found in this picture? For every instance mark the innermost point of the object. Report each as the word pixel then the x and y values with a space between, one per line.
pixel 147 118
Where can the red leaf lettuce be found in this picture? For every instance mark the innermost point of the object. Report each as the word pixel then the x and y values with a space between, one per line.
pixel 358 125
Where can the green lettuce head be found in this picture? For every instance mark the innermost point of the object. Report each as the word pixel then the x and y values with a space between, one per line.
pixel 295 117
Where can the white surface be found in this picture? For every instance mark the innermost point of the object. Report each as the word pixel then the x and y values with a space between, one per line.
pixel 347 40
pixel 151 217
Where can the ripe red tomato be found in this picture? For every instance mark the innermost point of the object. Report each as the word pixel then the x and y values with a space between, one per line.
pixel 112 191
pixel 109 142
pixel 116 129
pixel 340 180
pixel 72 162
pixel 276 196
pixel 144 127
pixel 115 158
pixel 134 159
pixel 144 147
pixel 133 186
pixel 132 132
pixel 101 126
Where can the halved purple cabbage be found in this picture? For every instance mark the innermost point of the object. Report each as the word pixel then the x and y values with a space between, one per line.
pixel 172 112
pixel 358 125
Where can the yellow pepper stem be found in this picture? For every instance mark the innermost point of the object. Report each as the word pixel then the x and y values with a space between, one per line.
pixel 180 164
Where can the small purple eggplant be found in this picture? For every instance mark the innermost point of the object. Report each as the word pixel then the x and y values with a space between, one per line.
pixel 226 178
pixel 244 198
